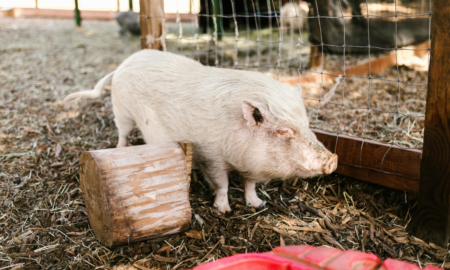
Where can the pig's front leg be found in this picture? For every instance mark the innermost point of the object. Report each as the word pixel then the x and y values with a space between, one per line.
pixel 250 193
pixel 219 181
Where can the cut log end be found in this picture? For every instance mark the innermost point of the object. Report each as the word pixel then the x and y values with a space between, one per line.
pixel 137 193
pixel 94 196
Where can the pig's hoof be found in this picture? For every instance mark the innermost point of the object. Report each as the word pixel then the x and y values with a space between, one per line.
pixel 257 202
pixel 223 208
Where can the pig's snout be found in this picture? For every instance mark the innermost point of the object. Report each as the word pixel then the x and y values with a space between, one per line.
pixel 331 164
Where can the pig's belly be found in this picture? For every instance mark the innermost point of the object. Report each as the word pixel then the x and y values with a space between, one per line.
pixel 151 128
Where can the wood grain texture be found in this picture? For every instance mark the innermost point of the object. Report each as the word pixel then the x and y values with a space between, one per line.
pixel 374 162
pixel 432 218
pixel 137 193
pixel 151 22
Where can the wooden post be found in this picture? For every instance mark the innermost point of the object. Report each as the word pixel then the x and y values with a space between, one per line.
pixel 36 3
pixel 432 222
pixel 137 193
pixel 152 23
pixel 118 5
pixel 77 15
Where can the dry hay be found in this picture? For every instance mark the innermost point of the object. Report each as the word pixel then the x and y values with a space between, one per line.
pixel 43 219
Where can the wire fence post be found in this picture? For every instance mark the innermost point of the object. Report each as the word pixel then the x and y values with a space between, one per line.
pixel 36 4
pixel 77 14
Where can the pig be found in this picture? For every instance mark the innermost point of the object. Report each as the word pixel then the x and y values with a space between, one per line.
pixel 294 16
pixel 238 121
pixel 128 22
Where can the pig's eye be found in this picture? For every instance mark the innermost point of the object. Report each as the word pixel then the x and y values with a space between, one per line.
pixel 285 133
pixel 257 116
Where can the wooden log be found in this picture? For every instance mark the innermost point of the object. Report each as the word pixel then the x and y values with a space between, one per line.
pixel 432 220
pixel 137 193
pixel 152 24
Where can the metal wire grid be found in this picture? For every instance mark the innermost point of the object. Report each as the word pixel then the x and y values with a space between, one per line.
pixel 218 50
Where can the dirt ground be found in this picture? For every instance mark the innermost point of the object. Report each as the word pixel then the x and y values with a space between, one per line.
pixel 43 219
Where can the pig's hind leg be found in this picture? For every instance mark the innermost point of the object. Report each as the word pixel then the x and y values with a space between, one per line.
pixel 124 125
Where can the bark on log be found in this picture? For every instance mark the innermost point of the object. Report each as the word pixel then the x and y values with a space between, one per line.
pixel 137 193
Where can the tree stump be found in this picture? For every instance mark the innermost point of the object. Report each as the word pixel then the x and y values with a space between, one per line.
pixel 137 193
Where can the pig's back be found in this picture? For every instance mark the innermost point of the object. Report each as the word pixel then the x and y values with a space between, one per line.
pixel 167 96
pixel 172 98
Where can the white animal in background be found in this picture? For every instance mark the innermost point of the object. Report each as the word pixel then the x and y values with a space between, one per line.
pixel 294 16
pixel 237 120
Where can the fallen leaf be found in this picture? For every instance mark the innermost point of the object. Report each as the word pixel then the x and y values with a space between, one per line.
pixel 40 149
pixel 67 115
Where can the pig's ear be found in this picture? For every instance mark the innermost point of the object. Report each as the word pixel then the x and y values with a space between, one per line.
pixel 253 113
pixel 285 132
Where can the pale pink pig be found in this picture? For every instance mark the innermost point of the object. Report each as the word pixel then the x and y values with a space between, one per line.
pixel 238 120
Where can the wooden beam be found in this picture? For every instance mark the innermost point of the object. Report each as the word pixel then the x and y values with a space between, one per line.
pixel 63 14
pixel 375 65
pixel 432 217
pixel 379 163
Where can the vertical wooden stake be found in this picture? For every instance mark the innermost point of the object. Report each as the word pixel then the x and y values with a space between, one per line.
pixel 36 3
pixel 77 14
pixel 118 5
pixel 152 23
pixel 432 219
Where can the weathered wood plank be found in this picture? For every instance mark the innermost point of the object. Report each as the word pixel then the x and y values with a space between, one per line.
pixel 432 217
pixel 375 162
pixel 136 193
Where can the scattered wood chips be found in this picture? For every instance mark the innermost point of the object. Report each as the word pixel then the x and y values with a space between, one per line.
pixel 43 219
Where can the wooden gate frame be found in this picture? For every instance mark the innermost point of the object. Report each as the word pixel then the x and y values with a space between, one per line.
pixel 427 172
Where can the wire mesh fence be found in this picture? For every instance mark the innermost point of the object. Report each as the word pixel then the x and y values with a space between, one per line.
pixel 312 43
